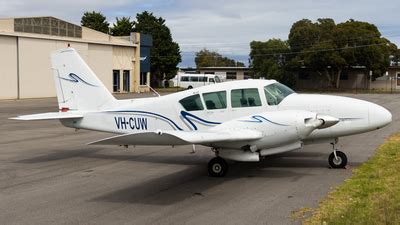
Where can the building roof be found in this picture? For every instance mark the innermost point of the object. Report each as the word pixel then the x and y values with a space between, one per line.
pixel 223 68
pixel 394 67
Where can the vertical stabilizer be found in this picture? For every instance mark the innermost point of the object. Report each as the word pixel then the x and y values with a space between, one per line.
pixel 78 88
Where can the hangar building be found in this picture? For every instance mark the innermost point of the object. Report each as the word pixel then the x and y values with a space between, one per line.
pixel 26 44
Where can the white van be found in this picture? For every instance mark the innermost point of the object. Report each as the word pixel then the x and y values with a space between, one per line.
pixel 190 81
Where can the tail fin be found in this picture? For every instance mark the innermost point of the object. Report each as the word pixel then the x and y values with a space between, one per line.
pixel 78 88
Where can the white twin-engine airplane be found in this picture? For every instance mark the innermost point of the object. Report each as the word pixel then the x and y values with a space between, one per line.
pixel 239 120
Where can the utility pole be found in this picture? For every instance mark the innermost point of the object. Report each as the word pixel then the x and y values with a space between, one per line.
pixel 387 78
pixel 370 79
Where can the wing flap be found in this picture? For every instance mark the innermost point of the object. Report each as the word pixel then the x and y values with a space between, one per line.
pixel 204 137
pixel 179 138
pixel 49 116
pixel 146 138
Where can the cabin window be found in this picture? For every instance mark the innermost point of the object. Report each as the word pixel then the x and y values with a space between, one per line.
pixel 202 79
pixel 215 100
pixel 194 79
pixel 245 98
pixel 211 80
pixel 192 103
pixel 184 78
pixel 276 92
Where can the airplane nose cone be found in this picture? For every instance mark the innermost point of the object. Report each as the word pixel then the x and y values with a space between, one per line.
pixel 379 116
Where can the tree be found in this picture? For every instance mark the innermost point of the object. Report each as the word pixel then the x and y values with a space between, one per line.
pixel 302 34
pixel 363 45
pixel 270 59
pixel 206 58
pixel 328 49
pixel 95 21
pixel 394 54
pixel 123 27
pixel 165 53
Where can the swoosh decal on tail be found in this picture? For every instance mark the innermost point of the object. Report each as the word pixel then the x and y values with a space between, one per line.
pixel 76 79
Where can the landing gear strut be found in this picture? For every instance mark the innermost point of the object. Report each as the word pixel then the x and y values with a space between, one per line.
pixel 217 167
pixel 337 159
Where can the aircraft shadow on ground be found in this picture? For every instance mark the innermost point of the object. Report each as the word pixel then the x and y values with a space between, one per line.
pixel 295 159
pixel 192 182
pixel 289 160
pixel 186 184
pixel 60 155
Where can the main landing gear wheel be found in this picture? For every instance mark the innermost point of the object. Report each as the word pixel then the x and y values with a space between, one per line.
pixel 338 161
pixel 217 167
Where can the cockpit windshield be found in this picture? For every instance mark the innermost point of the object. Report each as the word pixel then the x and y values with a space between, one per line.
pixel 276 92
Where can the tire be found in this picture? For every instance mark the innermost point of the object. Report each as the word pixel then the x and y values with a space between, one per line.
pixel 190 87
pixel 217 167
pixel 341 161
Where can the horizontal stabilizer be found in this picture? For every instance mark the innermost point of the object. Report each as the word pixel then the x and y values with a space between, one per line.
pixel 179 137
pixel 49 116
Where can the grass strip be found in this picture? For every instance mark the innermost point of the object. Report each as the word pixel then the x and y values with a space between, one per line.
pixel 370 196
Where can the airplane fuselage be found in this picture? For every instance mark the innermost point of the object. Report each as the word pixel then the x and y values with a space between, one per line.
pixel 168 113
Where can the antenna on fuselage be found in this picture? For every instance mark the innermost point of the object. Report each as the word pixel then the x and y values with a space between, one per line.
pixel 153 90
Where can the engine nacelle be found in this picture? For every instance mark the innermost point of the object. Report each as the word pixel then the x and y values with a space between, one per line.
pixel 278 128
pixel 239 155
pixel 249 156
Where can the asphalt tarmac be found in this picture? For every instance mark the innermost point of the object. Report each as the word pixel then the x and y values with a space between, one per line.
pixel 49 176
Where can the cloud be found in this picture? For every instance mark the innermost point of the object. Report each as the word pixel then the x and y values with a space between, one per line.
pixel 219 25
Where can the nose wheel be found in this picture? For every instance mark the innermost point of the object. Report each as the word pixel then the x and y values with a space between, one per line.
pixel 337 159
pixel 217 167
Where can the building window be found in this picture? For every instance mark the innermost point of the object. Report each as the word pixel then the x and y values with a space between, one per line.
pixel 398 79
pixel 48 26
pixel 246 75
pixel 126 81
pixel 304 76
pixel 116 86
pixel 344 75
pixel 143 78
pixel 231 75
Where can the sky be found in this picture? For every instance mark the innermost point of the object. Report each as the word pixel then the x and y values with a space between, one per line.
pixel 226 27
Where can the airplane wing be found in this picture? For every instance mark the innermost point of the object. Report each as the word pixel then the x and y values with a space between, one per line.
pixel 49 116
pixel 179 137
